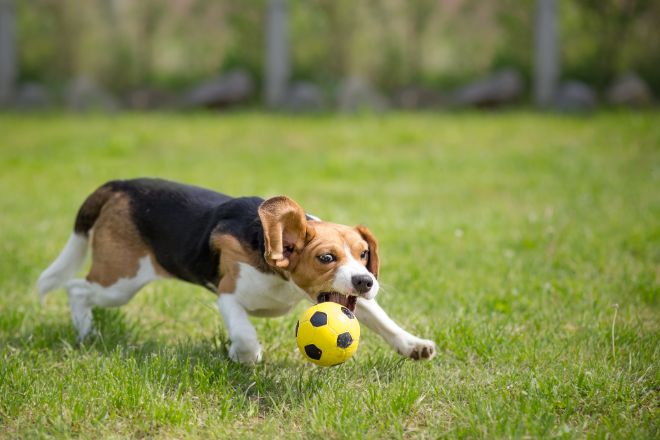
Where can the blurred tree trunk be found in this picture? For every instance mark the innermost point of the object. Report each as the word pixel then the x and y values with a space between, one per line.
pixel 340 17
pixel 420 13
pixel 391 71
pixel 8 60
pixel 69 21
pixel 150 14
pixel 546 56
pixel 277 53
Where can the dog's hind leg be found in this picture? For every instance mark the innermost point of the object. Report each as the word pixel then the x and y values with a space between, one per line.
pixel 87 293
pixel 121 265
pixel 73 255
pixel 81 308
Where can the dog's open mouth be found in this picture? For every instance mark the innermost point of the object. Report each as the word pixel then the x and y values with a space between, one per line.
pixel 347 301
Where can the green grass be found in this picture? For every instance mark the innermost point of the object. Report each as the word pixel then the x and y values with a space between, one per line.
pixel 527 246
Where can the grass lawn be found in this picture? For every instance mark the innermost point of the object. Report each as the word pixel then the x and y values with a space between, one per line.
pixel 527 246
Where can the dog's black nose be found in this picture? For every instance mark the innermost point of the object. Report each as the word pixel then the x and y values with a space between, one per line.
pixel 362 283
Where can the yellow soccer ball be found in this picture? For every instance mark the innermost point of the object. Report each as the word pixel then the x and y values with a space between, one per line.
pixel 327 334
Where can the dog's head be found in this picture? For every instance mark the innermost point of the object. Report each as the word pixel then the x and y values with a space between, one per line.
pixel 330 262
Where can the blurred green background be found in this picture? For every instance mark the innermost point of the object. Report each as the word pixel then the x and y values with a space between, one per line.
pixel 174 44
pixel 525 243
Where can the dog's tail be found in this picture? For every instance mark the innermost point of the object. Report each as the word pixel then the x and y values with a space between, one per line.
pixel 73 255
pixel 65 265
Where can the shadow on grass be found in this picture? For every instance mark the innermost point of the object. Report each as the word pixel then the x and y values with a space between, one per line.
pixel 199 367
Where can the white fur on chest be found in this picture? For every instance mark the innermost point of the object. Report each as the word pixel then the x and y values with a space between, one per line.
pixel 264 294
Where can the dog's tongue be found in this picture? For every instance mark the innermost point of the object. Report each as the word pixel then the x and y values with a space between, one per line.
pixel 344 300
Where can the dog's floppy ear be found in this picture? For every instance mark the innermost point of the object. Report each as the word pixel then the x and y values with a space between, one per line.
pixel 285 230
pixel 373 263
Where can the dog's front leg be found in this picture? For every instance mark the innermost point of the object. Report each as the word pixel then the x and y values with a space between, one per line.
pixel 245 347
pixel 373 316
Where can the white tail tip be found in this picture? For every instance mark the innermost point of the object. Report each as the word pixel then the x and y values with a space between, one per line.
pixel 64 267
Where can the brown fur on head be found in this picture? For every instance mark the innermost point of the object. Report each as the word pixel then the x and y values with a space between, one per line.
pixel 302 249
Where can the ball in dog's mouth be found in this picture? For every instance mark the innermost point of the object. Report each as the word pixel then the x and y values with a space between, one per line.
pixel 347 301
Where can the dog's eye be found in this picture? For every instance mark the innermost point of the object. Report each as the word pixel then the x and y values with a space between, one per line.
pixel 364 255
pixel 326 258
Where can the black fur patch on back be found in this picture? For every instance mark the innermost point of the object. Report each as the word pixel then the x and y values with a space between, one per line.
pixel 177 221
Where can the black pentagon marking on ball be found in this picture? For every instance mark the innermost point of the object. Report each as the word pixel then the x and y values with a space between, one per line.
pixel 318 319
pixel 348 313
pixel 344 340
pixel 313 352
pixel 297 325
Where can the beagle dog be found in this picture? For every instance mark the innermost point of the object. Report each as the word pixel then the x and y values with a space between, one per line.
pixel 261 257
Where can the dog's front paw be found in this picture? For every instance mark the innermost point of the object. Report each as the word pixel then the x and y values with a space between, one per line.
pixel 245 354
pixel 415 348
